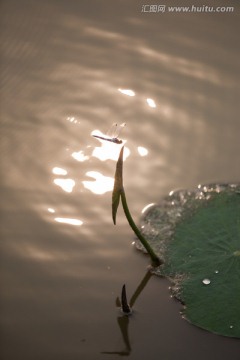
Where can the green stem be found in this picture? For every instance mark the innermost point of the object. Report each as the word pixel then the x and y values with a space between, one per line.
pixel 155 259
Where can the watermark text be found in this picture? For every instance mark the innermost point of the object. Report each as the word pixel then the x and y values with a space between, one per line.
pixel 157 8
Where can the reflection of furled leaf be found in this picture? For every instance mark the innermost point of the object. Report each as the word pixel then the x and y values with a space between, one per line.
pixel 118 185
pixel 198 234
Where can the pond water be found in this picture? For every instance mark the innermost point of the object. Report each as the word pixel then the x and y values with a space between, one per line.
pixel 66 66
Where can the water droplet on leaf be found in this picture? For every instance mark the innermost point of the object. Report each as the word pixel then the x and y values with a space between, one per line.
pixel 206 281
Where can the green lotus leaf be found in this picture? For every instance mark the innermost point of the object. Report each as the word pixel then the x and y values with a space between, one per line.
pixel 197 234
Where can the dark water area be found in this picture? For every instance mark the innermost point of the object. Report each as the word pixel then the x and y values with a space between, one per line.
pixel 65 69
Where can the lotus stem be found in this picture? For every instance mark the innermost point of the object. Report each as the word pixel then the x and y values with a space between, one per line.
pixel 155 259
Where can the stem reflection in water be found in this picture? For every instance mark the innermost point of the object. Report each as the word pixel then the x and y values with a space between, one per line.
pixel 123 320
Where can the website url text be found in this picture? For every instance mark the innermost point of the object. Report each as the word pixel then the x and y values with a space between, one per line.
pixel 185 9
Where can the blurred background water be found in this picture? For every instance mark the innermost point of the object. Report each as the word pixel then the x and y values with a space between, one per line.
pixel 69 68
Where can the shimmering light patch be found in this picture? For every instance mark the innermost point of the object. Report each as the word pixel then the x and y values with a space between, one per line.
pixel 79 156
pixel 151 103
pixel 51 210
pixel 109 151
pixel 69 221
pixel 101 185
pixel 59 171
pixel 127 92
pixel 147 207
pixel 142 151
pixel 72 119
pixel 66 184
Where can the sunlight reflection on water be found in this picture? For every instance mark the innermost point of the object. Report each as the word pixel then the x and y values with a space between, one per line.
pixel 109 151
pixel 65 184
pixel 101 185
pixel 69 221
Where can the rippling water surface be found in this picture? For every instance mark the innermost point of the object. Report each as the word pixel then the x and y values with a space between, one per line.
pixel 70 68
